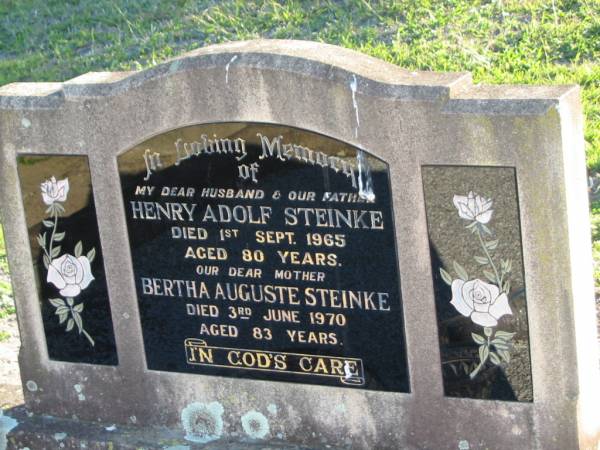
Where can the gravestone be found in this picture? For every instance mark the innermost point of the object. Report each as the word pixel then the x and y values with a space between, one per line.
pixel 288 243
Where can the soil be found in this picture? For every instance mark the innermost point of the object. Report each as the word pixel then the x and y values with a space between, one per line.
pixel 11 392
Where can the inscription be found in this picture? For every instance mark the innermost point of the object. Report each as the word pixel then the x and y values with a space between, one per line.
pixel 346 370
pixel 270 148
pixel 290 276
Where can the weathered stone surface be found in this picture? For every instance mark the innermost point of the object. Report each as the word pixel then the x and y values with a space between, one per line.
pixel 408 119
pixel 43 432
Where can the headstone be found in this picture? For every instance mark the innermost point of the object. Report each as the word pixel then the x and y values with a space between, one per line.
pixel 289 243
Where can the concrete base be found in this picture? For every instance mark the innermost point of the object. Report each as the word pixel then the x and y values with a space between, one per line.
pixel 31 432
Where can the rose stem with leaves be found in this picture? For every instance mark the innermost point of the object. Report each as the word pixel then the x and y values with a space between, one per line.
pixel 489 257
pixel 76 317
pixel 486 352
pixel 89 338
pixel 63 308
pixel 54 209
pixel 55 217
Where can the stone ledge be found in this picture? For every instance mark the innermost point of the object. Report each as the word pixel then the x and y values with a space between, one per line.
pixel 45 432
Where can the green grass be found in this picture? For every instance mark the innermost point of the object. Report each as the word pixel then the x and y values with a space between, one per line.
pixel 502 41
pixel 4 336
pixel 498 41
pixel 3 262
pixel 6 305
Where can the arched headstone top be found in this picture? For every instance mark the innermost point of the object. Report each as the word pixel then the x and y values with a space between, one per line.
pixel 303 58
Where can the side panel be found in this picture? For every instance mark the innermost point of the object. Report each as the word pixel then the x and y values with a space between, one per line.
pixel 67 258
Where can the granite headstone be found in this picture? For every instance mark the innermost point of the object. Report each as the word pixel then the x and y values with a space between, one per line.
pixel 289 243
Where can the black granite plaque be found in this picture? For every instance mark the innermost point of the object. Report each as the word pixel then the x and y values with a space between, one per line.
pixel 67 258
pixel 266 252
pixel 477 262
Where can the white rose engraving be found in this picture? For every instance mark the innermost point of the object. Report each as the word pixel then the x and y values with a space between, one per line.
pixel 474 207
pixel 70 274
pixel 479 300
pixel 54 191
pixel 484 303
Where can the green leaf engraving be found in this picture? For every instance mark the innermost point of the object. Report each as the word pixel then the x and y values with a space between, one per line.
pixel 62 310
pixel 491 245
pixel 495 359
pixel 56 302
pixel 92 254
pixel 500 344
pixel 490 276
pixel 446 277
pixel 486 229
pixel 478 339
pixel 504 335
pixel 460 271
pixel 465 367
pixel 504 354
pixel 481 260
pixel 484 352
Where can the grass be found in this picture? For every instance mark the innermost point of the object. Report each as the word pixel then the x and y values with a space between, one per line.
pixel 502 41
pixel 3 261
pixel 6 306
pixel 510 41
